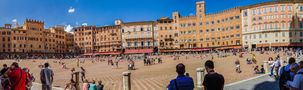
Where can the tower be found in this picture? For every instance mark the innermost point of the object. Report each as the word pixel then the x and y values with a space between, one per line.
pixel 176 16
pixel 200 9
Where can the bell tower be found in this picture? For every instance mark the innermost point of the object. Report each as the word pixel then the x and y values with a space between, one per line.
pixel 200 9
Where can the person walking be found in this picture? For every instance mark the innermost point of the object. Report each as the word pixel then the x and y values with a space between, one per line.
pixel 212 80
pixel 17 77
pixel 46 77
pixel 182 82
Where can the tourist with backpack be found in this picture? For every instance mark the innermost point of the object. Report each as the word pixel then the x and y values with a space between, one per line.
pixel 182 82
pixel 17 77
pixel 297 83
pixel 286 74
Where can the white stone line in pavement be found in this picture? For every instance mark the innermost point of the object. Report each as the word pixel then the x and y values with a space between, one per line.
pixel 55 88
pixel 231 84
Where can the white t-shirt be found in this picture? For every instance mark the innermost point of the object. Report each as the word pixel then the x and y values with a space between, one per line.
pixel 277 63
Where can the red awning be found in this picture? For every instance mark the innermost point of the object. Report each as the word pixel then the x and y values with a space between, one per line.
pixel 134 51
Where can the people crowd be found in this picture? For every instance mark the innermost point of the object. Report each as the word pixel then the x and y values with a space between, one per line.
pixel 290 76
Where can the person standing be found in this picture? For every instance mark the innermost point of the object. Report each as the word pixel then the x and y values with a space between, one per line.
pixel 286 74
pixel 297 83
pixel 85 85
pixel 17 77
pixel 100 86
pixel 46 77
pixel 182 82
pixel 92 85
pixel 212 80
pixel 4 69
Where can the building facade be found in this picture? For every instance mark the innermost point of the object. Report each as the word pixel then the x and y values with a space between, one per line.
pixel 33 38
pixel 139 37
pixel 84 38
pixel 109 40
pixel 168 35
pixel 273 24
pixel 221 30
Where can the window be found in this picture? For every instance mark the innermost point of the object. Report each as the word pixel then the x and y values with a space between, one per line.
pixel 237 35
pixel 283 34
pixel 142 43
pixel 231 18
pixel 244 15
pixel 201 39
pixel 301 34
pixel 238 27
pixel 201 23
pixel 237 17
pixel 283 8
pixel 265 10
pixel 231 28
pixel 128 44
pixel 148 43
pixel 301 8
pixel 136 43
pixel 141 28
pixel 270 9
pixel 289 8
pixel 201 31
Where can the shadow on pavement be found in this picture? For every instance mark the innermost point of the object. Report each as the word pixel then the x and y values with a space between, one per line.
pixel 267 85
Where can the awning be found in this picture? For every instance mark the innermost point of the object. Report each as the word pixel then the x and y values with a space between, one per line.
pixel 200 49
pixel 138 51
pixel 107 53
pixel 87 54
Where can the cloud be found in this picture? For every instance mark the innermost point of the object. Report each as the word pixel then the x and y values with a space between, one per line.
pixel 84 24
pixel 14 20
pixel 71 10
pixel 68 28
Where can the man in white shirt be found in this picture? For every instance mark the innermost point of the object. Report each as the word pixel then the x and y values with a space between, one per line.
pixel 297 83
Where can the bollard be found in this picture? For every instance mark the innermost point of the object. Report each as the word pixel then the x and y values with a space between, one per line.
pixel 126 81
pixel 77 80
pixel 200 78
pixel 266 67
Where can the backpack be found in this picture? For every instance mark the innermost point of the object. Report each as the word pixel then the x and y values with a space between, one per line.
pixel 285 76
pixel 29 80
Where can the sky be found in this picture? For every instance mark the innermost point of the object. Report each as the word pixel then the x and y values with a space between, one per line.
pixel 72 13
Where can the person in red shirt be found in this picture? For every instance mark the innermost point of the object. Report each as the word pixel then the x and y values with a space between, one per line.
pixel 17 77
